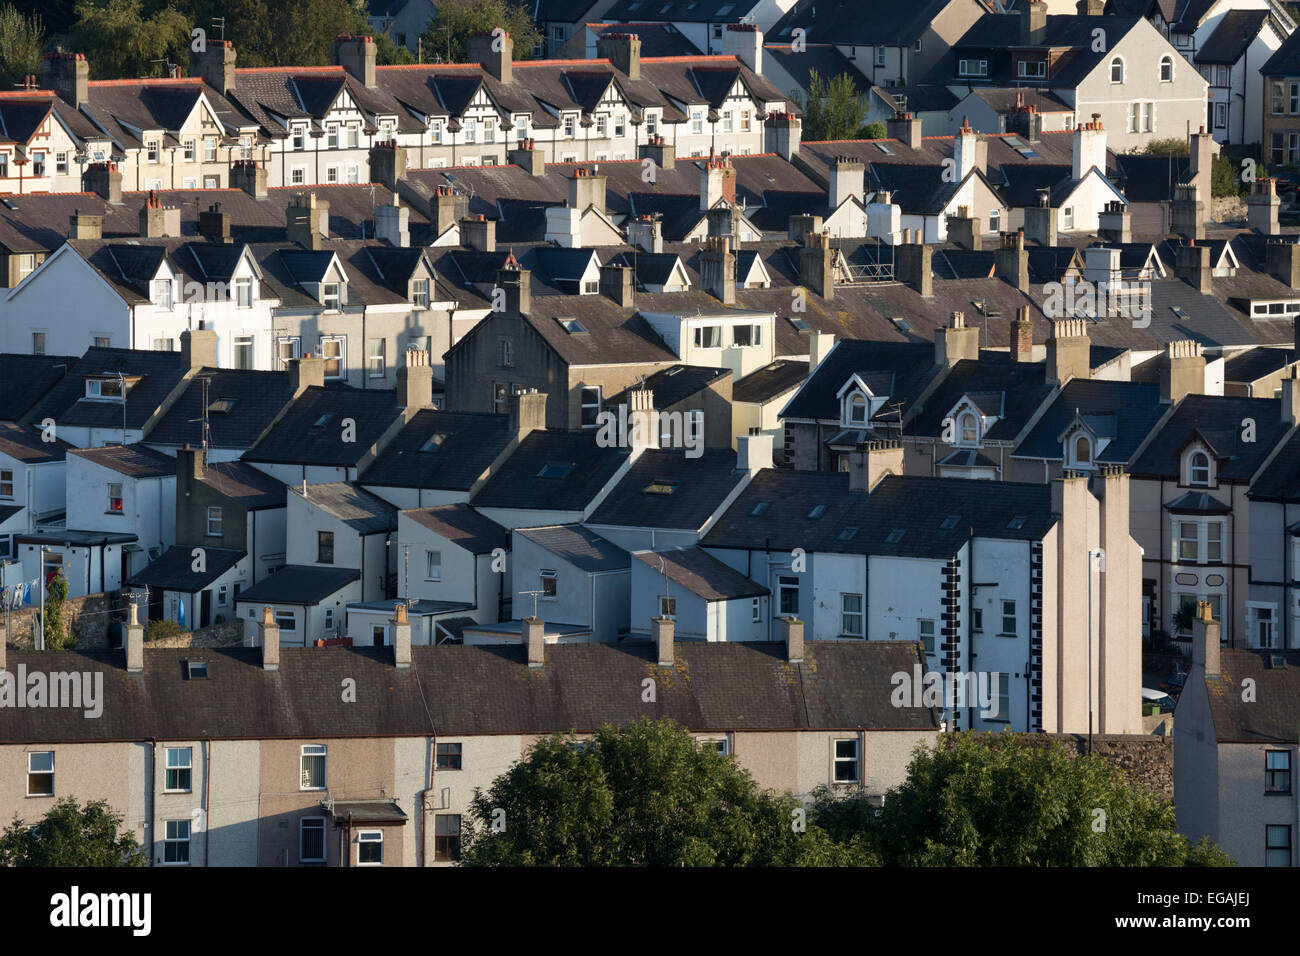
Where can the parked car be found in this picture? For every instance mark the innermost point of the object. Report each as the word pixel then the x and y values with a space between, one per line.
pixel 1173 684
pixel 1156 702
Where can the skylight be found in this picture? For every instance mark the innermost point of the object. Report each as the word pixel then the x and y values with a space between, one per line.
pixel 895 536
pixel 817 512
pixel 433 443
pixel 1176 310
pixel 223 404
pixel 884 149
pixel 196 670
pixel 848 533
pixel 950 522
pixel 1017 522
pixel 554 469
pixel 900 323
pixel 759 509
pixel 799 324
pixel 323 420
pixel 661 486
pixel 572 326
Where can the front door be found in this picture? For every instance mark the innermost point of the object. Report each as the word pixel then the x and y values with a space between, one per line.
pixel 205 608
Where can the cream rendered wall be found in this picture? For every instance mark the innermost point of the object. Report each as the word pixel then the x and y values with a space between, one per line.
pixel 1245 809
pixel 232 818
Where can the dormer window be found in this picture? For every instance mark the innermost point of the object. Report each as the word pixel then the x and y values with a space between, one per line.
pixel 420 293
pixel 857 409
pixel 968 429
pixel 104 388
pixel 1081 452
pixel 1198 468
pixel 331 296
pixel 162 293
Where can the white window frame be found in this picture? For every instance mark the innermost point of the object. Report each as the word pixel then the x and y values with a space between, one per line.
pixel 837 760
pixel 313 751
pixel 214 521
pixel 341 358
pixel 432 565
pixel 848 627
pixel 42 773
pixel 187 753
pixel 174 843
pixel 370 837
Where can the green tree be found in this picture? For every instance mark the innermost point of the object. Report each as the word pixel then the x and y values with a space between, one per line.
pixel 388 53
pixel 121 41
pixel 21 36
pixel 642 795
pixel 1170 146
pixel 1225 178
pixel 271 33
pixel 976 801
pixel 449 31
pixel 56 592
pixel 832 109
pixel 70 835
pixel 875 130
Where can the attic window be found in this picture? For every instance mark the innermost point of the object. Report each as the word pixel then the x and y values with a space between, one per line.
pixel 895 536
pixel 572 326
pixel 554 469
pixel 900 323
pixel 433 443
pixel 799 324
pixel 848 533
pixel 1178 312
pixel 817 512
pixel 1018 522
pixel 223 404
pixel 759 509
pixel 661 486
pixel 884 149
pixel 196 670
pixel 949 522
pixel 323 420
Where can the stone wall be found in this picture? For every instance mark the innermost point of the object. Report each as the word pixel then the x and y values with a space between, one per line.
pixel 229 634
pixel 86 617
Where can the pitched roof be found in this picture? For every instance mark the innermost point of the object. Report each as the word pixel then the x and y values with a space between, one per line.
pixel 241 404
pixel 66 402
pixel 465 690
pixel 1269 716
pixel 1280 480
pixel 527 479
pixel 701 573
pixel 1013 391
pixel 675 384
pixel 351 504
pixel 1218 419
pixel 462 525
pixel 776 510
pixel 241 482
pixel 579 546
pixel 300 584
pixel 26 444
pixel 133 461
pixel 1235 32
pixel 770 381
pixel 311 431
pixel 665 489
pixel 1285 61
pixel 436 449
pixel 1133 408
pixel 858 22
pixel 25 379
pixel 174 570
pixel 912 365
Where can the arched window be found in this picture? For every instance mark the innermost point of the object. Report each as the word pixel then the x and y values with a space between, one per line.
pixel 1082 450
pixel 1117 70
pixel 858 408
pixel 1166 69
pixel 970 430
pixel 1198 468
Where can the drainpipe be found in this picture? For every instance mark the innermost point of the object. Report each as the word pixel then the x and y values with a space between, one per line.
pixel 153 796
pixel 207 800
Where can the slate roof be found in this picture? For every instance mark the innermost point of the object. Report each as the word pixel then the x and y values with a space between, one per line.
pixel 67 405
pixel 1134 408
pixel 1217 418
pixel 24 443
pixel 683 11
pixel 858 22
pixel 299 584
pixel 1272 714
pixel 174 570
pixel 465 690
pixel 825 58
pixel 436 449
pixel 1198 502
pixel 701 573
pixel 462 525
pixel 1012 390
pixel 920 506
pixel 1254 364
pixel 675 384
pixel 770 381
pixel 304 436
pixel 1280 479
pixel 257 398
pixel 917 190
pixel 519 484
pixel 579 546
pixel 699 486
pixel 657 39
pixel 252 488
pixel 132 461
pixel 912 364
pixel 784 523
pixel 24 380
pixel 1285 60
pixel 1150 178
pixel 1235 32
pixel 353 505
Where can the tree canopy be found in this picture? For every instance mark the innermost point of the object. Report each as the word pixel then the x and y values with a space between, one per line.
pixel 21 38
pixel 448 33
pixel 832 109
pixel 71 835
pixel 643 795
